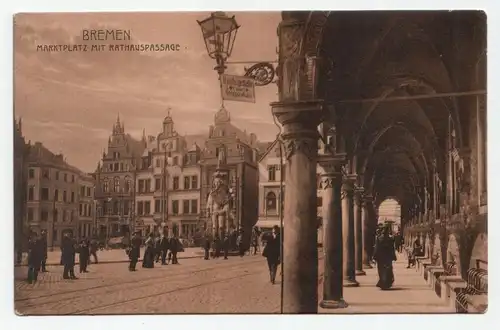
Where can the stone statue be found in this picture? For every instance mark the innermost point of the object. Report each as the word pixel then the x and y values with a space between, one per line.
pixel 218 201
pixel 221 161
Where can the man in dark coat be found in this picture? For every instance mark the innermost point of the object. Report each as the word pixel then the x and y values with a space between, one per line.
pixel 157 247
pixel 68 247
pixel 84 252
pixel 216 246
pixel 93 249
pixel 272 252
pixel 35 256
pixel 206 246
pixel 134 251
pixel 225 245
pixel 174 248
pixel 43 247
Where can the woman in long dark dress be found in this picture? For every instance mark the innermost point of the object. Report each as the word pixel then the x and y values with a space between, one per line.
pixel 384 256
pixel 149 253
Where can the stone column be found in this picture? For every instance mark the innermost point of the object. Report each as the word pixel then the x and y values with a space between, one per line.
pixel 358 232
pixel 300 252
pixel 331 183
pixel 348 233
pixel 365 218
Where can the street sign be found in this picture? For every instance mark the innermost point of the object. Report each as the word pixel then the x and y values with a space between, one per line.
pixel 237 88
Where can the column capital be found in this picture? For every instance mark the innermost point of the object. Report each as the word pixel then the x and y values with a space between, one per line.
pixel 332 163
pixel 348 185
pixel 368 198
pixel 300 120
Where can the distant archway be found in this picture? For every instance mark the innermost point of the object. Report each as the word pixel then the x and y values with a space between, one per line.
pixel 389 211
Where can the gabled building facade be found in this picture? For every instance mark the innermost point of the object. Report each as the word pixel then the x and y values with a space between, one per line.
pixel 241 151
pixel 116 176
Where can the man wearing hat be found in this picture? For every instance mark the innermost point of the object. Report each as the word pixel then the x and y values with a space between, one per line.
pixel 43 248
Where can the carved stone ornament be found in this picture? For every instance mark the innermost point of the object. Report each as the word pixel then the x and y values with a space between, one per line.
pixel 327 183
pixel 291 36
pixel 305 146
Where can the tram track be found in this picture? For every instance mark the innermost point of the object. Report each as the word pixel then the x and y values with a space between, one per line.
pixel 71 295
pixel 92 310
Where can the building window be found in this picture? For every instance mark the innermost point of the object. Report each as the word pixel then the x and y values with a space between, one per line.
pixel 126 207
pixel 186 182
pixel 271 202
pixel 82 191
pixel 116 207
pixel 185 207
pixel 271 173
pixel 105 185
pixel 158 162
pixel 44 194
pixel 31 173
pixel 175 207
pixel 141 186
pixel 72 178
pixel 194 182
pixel 44 215
pixel 116 185
pixel 65 215
pixel 116 167
pixel 140 209
pixel 89 193
pixel 81 209
pixel 157 184
pixel 72 197
pixel 128 185
pixel 147 207
pixel 30 214
pixel 56 195
pixel 175 161
pixel 64 196
pixel 194 206
pixel 55 215
pixel 57 175
pixel 157 206
pixel 65 177
pixel 176 183
pixel 31 193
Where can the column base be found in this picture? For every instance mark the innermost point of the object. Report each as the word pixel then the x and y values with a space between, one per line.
pixel 333 304
pixel 367 266
pixel 360 273
pixel 350 283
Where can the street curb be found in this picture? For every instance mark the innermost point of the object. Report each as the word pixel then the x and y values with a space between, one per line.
pixel 104 262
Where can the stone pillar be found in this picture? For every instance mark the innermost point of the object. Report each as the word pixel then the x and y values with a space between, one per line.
pixel 358 232
pixel 348 233
pixel 331 183
pixel 300 252
pixel 365 218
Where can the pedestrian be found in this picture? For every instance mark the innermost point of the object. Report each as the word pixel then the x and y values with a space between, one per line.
pixel 225 245
pixel 216 246
pixel 149 252
pixel 255 240
pixel 164 246
pixel 84 251
pixel 35 256
pixel 416 251
pixel 272 252
pixel 93 249
pixel 239 244
pixel 134 251
pixel 157 242
pixel 174 246
pixel 206 246
pixel 68 247
pixel 384 255
pixel 43 247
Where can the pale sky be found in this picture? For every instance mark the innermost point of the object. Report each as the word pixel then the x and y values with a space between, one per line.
pixel 70 100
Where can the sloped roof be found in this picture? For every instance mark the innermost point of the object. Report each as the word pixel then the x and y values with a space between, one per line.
pixel 38 153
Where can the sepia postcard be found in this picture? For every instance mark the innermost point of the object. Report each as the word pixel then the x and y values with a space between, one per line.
pixel 250 162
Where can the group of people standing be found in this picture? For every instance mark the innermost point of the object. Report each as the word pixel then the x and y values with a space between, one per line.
pixel 37 255
pixel 157 248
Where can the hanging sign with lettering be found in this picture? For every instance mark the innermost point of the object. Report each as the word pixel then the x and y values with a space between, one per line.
pixel 237 88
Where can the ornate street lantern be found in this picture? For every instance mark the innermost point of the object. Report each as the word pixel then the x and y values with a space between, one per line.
pixel 219 32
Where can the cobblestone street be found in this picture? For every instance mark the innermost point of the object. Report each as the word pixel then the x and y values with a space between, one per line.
pixel 198 286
